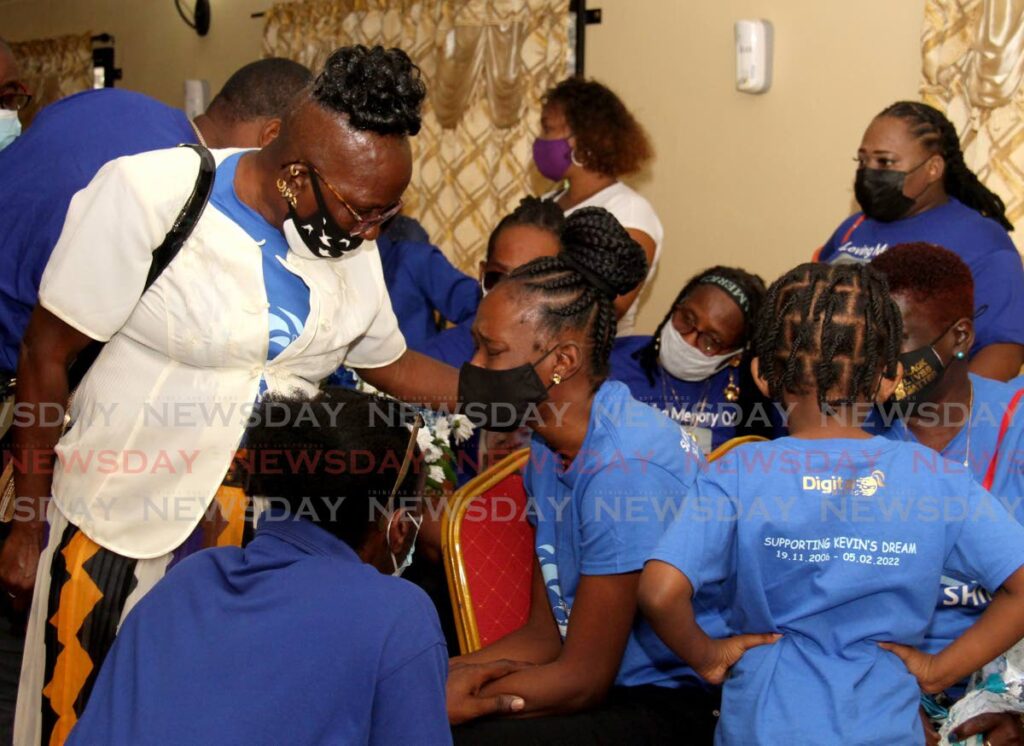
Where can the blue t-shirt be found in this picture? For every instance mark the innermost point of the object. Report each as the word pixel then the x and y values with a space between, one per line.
pixel 836 544
pixel 290 640
pixel 961 600
pixel 287 294
pixel 981 242
pixel 605 513
pixel 420 281
pixel 693 404
pixel 41 171
pixel 453 346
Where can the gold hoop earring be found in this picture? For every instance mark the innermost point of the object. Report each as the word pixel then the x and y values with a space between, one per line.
pixel 286 192
pixel 556 379
pixel 572 157
pixel 293 169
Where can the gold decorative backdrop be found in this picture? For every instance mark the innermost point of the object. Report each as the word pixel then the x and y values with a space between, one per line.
pixel 53 68
pixel 972 63
pixel 486 64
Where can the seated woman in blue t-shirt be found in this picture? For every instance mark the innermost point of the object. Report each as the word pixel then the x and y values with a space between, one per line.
pixel 913 185
pixel 693 367
pixel 605 477
pixel 956 413
pixel 832 541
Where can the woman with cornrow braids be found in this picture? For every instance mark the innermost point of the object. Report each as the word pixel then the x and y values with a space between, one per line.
pixel 831 540
pixel 606 476
pixel 694 368
pixel 913 186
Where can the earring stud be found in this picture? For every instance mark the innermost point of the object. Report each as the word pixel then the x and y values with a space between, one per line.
pixel 556 379
pixel 960 355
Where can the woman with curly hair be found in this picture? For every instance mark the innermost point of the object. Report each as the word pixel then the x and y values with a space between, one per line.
pixel 588 141
pixel 914 186
pixel 278 284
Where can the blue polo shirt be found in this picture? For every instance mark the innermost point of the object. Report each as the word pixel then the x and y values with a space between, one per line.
pixel 604 514
pixel 981 242
pixel 837 545
pixel 42 170
pixel 961 600
pixel 292 639
pixel 453 346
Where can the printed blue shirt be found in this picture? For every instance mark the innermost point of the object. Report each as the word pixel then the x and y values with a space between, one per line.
pixel 961 600
pixel 605 513
pixel 41 171
pixel 981 242
pixel 291 640
pixel 287 294
pixel 837 545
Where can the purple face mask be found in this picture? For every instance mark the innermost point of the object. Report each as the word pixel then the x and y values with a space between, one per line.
pixel 553 157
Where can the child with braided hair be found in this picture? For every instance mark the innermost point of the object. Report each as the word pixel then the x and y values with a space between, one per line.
pixel 606 475
pixel 913 186
pixel 830 541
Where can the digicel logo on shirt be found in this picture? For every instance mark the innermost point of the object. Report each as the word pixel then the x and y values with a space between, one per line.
pixel 839 486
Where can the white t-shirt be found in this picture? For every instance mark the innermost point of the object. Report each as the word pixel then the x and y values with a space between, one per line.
pixel 634 212
pixel 159 415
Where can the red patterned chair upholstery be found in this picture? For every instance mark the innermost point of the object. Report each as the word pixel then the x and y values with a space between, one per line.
pixel 488 551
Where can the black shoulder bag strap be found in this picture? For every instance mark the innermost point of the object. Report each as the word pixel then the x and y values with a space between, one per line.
pixel 182 228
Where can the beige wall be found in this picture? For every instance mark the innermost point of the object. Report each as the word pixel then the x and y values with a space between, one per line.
pixel 754 181
pixel 155 48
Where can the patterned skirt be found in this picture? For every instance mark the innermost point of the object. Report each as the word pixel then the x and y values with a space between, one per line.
pixel 82 594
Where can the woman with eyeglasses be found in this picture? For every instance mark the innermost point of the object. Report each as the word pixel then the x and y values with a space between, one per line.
pixel 278 284
pixel 13 96
pixel 913 185
pixel 692 368
pixel 589 140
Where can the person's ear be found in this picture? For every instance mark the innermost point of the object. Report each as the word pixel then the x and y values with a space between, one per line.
pixel 936 168
pixel 762 385
pixel 269 131
pixel 568 359
pixel 886 386
pixel 963 331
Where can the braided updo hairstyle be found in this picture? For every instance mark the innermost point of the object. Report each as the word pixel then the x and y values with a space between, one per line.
pixel 577 288
pixel 752 286
pixel 938 135
pixel 830 329
pixel 379 90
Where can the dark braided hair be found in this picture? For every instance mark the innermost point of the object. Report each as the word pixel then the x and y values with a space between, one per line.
pixel 379 90
pixel 535 212
pixel 577 289
pixel 938 135
pixel 829 329
pixel 752 286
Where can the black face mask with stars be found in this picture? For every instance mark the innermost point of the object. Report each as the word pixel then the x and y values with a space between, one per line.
pixel 320 233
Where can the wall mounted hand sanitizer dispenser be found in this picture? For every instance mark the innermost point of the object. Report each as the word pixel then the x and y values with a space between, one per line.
pixel 753 56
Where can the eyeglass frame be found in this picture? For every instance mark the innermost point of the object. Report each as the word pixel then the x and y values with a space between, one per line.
pixel 362 225
pixel 718 348
pixel 491 278
pixel 19 91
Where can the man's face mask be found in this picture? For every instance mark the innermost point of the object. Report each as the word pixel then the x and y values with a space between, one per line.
pixel 879 192
pixel 500 400
pixel 10 127
pixel 401 567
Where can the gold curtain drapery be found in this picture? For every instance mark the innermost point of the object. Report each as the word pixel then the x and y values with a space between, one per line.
pixel 53 68
pixel 486 64
pixel 972 64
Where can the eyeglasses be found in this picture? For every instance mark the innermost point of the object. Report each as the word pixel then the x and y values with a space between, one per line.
pixel 14 97
pixel 685 323
pixel 492 278
pixel 362 224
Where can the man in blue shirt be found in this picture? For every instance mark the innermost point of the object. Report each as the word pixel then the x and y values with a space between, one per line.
pixel 71 139
pixel 302 636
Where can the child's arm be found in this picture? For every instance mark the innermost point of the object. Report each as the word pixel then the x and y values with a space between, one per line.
pixel 996 631
pixel 665 598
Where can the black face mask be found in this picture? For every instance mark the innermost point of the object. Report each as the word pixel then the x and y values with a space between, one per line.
pixel 319 232
pixel 500 400
pixel 880 194
pixel 923 371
